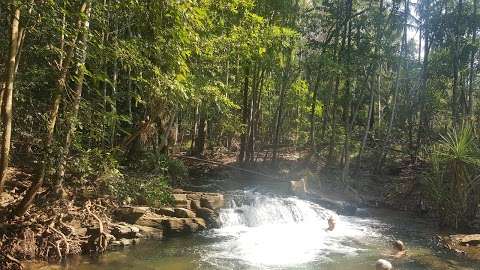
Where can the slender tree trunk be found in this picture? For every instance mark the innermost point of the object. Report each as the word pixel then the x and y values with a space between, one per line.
pixel 386 142
pixel 332 144
pixel 454 101
pixel 279 118
pixel 313 108
pixel 252 112
pixel 471 77
pixel 73 117
pixel 348 96
pixel 7 114
pixel 245 111
pixel 114 91
pixel 194 130
pixel 371 104
pixel 202 132
pixel 422 119
pixel 255 115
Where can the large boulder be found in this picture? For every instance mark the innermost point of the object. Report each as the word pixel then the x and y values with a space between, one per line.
pixel 211 217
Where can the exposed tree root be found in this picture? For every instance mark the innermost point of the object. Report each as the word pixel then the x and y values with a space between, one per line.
pixel 98 240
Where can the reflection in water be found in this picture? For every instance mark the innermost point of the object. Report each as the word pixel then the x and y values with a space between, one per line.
pixel 269 232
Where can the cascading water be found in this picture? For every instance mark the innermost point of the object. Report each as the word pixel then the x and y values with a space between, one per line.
pixel 269 231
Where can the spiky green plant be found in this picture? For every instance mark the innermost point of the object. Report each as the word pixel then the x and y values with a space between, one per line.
pixel 452 182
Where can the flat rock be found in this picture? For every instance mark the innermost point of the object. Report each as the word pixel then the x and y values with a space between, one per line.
pixel 181 200
pixel 129 214
pixel 183 225
pixel 124 230
pixel 184 213
pixel 151 220
pixel 166 211
pixel 212 200
pixel 209 200
pixel 150 232
pixel 463 244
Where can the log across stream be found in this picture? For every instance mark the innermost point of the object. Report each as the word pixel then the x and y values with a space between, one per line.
pixel 259 230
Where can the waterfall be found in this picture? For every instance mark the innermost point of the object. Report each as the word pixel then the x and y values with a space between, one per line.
pixel 270 231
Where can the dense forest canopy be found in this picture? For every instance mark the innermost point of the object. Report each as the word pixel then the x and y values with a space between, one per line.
pixel 93 88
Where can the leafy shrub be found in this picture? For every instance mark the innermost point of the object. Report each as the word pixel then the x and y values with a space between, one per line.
pixel 143 190
pixel 94 165
pixel 161 164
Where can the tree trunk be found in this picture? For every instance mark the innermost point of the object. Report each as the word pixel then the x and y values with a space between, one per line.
pixel 73 117
pixel 8 94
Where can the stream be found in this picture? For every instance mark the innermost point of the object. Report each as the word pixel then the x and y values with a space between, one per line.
pixel 267 231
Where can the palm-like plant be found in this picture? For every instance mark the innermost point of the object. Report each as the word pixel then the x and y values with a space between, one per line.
pixel 453 180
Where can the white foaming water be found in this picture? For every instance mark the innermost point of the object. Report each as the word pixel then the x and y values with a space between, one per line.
pixel 266 231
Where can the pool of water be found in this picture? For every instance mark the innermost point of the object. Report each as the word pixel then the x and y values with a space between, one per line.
pixel 265 231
